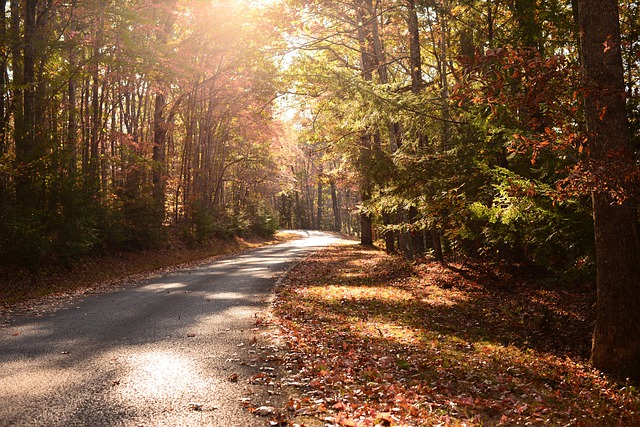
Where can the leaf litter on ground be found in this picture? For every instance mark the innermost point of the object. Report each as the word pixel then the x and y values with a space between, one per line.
pixel 373 340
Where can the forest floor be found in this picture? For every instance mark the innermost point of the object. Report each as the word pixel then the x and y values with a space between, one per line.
pixel 372 340
pixel 23 288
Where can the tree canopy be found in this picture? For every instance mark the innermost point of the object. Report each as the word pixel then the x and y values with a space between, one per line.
pixel 468 129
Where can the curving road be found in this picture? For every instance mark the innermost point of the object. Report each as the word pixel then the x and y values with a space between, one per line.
pixel 163 352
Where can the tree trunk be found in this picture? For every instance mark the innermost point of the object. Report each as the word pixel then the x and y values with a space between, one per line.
pixel 368 64
pixel 165 22
pixel 27 152
pixel 366 226
pixel 337 221
pixel 72 121
pixel 298 207
pixel 616 339
pixel 93 175
pixel 490 23
pixel 3 83
pixel 415 61
pixel 320 202
pixel 388 235
pixel 3 108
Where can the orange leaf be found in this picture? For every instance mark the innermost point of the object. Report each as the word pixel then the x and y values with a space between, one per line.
pixel 603 112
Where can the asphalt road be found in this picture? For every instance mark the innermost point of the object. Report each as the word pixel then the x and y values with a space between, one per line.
pixel 162 352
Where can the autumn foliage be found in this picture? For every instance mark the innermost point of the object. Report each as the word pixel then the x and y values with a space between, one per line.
pixel 373 340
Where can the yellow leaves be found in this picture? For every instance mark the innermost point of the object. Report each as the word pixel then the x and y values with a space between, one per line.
pixel 351 293
pixel 609 44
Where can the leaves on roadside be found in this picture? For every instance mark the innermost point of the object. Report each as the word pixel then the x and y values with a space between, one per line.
pixel 374 341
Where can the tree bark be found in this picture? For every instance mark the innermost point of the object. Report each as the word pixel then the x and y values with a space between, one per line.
pixel 165 22
pixel 368 64
pixel 72 121
pixel 616 338
pixel 320 201
pixel 3 107
pixel 3 82
pixel 437 246
pixel 27 151
pixel 337 220
pixel 92 178
pixel 415 61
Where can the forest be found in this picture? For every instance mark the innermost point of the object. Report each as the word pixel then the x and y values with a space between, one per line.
pixel 505 131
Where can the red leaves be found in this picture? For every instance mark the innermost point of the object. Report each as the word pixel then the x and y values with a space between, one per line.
pixel 453 349
pixel 541 99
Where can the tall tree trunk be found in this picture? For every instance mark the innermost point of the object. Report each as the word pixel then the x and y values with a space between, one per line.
pixel 93 173
pixel 415 60
pixel 159 141
pixel 616 339
pixel 30 79
pixel 415 241
pixel 388 235
pixel 395 137
pixel 165 22
pixel 299 209
pixel 444 78
pixel 3 81
pixel 337 220
pixel 3 105
pixel 72 121
pixel 320 201
pixel 27 152
pixel 368 64
pixel 437 245
pixel 490 22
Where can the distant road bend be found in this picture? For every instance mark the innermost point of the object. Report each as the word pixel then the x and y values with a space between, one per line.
pixel 157 353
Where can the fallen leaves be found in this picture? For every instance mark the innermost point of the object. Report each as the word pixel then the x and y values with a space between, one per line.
pixel 374 341
pixel 195 406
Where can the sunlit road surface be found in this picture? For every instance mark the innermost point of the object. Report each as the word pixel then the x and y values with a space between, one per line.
pixel 159 353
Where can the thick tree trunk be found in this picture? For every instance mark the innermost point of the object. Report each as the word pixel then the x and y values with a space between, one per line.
pixel 368 64
pixel 616 339
pixel 366 225
pixel 415 60
pixel 165 22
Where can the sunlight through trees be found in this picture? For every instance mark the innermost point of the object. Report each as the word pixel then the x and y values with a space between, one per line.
pixel 452 129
